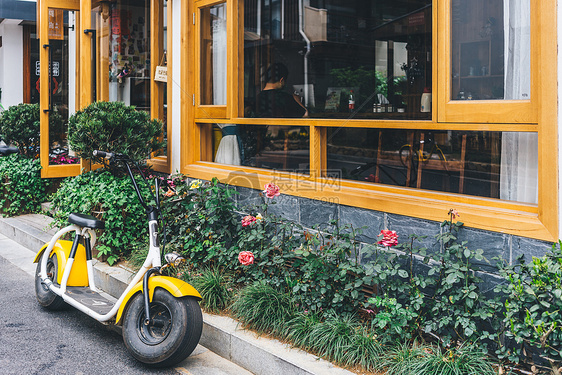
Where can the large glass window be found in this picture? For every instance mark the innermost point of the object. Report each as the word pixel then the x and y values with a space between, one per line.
pixel 213 55
pixel 491 49
pixel 360 59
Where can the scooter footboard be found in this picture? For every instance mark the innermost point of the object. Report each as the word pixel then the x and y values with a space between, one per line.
pixel 178 288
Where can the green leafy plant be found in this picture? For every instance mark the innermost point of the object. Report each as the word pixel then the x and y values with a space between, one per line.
pixel 402 358
pixel 110 198
pixel 115 127
pixel 216 289
pixel 23 188
pixel 459 311
pixel 533 308
pixel 201 221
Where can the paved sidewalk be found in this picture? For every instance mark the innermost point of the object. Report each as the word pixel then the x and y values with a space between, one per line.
pixel 223 344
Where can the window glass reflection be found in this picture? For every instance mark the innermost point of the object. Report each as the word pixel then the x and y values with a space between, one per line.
pixel 487 164
pixel 490 45
pixel 344 59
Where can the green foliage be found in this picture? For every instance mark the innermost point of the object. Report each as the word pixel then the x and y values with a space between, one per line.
pixel 402 358
pixel 23 188
pixel 263 307
pixel 216 289
pixel 335 335
pixel 330 275
pixel 110 198
pixel 19 125
pixel 201 222
pixel 115 127
pixel 533 308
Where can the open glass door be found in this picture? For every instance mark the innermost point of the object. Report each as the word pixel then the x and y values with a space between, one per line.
pixel 58 68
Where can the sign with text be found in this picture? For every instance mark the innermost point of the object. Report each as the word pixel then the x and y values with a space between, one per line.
pixel 56 24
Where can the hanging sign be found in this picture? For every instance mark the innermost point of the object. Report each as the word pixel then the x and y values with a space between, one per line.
pixel 161 73
pixel 56 24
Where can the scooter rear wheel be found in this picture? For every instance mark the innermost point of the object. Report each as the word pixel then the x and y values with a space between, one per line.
pixel 45 297
pixel 172 334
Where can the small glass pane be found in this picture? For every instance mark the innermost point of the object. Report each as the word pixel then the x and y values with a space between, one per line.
pixel 487 164
pixel 62 57
pixel 213 55
pixel 359 59
pixel 284 148
pixel 128 26
pixel 491 50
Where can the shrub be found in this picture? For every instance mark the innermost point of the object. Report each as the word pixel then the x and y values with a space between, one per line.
pixel 201 222
pixel 110 198
pixel 533 315
pixel 19 125
pixel 24 190
pixel 115 127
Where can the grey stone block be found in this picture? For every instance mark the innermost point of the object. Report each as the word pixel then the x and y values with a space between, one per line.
pixel 406 226
pixel 285 206
pixel 317 213
pixel 529 248
pixel 247 199
pixel 494 245
pixel 370 222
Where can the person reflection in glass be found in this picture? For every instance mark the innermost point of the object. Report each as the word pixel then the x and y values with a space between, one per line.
pixel 274 101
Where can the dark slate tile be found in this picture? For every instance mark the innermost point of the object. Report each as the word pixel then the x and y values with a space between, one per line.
pixel 248 199
pixel 406 226
pixel 529 247
pixel 370 222
pixel 489 282
pixel 494 245
pixel 317 213
pixel 285 206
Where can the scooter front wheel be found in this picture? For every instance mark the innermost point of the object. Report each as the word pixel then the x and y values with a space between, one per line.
pixel 172 334
pixel 45 297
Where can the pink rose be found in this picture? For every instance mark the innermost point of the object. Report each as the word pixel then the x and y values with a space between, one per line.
pixel 390 238
pixel 271 190
pixel 246 258
pixel 248 220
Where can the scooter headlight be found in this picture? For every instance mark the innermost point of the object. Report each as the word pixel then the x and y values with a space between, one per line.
pixel 174 259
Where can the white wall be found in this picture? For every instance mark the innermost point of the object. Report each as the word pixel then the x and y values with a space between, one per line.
pixel 11 62
pixel 175 81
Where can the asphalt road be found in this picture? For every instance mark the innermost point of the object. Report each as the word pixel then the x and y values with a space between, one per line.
pixel 35 341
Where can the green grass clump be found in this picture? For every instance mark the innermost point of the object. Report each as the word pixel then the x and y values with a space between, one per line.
pixel 215 288
pixel 263 308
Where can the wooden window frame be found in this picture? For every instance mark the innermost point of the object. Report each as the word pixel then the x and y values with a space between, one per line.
pixel 540 114
pixel 161 163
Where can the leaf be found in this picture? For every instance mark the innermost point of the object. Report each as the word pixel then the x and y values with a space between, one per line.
pixel 403 273
pixel 467 253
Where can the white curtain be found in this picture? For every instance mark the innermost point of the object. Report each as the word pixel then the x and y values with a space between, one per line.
pixel 228 151
pixel 519 155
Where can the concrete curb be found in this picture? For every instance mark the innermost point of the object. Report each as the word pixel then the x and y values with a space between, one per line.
pixel 221 335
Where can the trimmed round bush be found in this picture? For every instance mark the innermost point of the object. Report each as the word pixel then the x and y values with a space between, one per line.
pixel 114 127
pixel 19 125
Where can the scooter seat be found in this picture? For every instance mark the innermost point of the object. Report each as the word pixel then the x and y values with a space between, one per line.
pixel 8 150
pixel 87 221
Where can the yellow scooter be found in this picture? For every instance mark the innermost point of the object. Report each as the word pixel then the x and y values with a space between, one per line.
pixel 160 315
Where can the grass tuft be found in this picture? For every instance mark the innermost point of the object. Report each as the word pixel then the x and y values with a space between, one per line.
pixel 264 308
pixel 215 288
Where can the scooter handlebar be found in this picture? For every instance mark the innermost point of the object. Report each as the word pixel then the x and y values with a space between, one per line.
pixel 103 154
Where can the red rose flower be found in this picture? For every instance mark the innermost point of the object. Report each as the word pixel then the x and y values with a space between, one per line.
pixel 248 220
pixel 246 258
pixel 271 190
pixel 390 238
